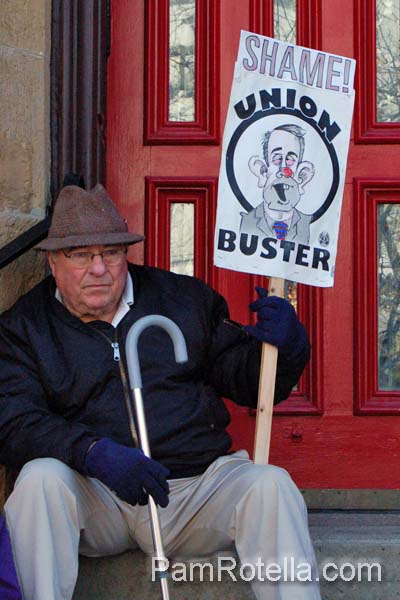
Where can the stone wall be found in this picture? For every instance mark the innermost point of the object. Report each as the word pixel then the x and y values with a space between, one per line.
pixel 25 36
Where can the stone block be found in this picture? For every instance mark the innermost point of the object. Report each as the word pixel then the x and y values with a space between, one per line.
pixel 355 499
pixel 129 576
pixel 24 118
pixel 23 24
pixel 349 541
pixel 27 270
pixel 15 174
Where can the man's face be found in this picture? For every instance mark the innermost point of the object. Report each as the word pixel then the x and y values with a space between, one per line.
pixel 283 153
pixel 281 191
pixel 91 292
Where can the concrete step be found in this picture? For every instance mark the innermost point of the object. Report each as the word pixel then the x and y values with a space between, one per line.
pixel 356 538
pixel 342 539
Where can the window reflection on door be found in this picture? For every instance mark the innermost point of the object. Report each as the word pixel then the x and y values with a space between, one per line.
pixel 182 238
pixel 389 296
pixel 285 20
pixel 387 60
pixel 182 60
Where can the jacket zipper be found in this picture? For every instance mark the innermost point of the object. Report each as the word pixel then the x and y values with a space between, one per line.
pixel 125 385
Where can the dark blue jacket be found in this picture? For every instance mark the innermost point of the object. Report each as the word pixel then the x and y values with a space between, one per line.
pixel 60 387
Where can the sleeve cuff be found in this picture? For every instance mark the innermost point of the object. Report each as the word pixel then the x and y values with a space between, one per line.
pixel 80 451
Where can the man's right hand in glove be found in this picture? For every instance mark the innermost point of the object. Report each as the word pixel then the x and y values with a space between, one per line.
pixel 128 472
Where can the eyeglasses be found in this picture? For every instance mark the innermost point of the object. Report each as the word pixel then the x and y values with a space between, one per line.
pixel 110 257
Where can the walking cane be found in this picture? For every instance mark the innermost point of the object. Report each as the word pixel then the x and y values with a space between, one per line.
pixel 136 384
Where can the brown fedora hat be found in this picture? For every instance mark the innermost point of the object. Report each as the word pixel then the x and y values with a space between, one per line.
pixel 82 218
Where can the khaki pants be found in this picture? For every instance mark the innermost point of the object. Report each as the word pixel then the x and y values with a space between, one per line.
pixel 54 513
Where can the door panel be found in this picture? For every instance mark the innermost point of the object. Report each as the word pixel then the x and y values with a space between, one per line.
pixel 155 162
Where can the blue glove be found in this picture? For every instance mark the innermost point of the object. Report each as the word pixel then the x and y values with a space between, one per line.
pixel 128 472
pixel 277 324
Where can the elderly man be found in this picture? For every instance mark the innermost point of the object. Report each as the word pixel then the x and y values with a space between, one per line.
pixel 66 419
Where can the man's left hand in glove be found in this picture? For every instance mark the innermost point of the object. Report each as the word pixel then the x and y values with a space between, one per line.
pixel 277 324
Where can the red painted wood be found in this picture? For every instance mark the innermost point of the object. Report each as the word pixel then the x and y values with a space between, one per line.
pixel 308 16
pixel 161 192
pixel 368 398
pixel 335 451
pixel 205 127
pixel 316 434
pixel 309 25
pixel 309 399
pixel 127 160
pixel 261 17
pixel 367 129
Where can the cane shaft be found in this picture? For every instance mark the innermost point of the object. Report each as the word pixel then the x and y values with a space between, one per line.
pixel 154 516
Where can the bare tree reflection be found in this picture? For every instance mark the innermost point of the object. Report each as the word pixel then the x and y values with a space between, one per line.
pixel 388 60
pixel 285 20
pixel 389 296
pixel 182 60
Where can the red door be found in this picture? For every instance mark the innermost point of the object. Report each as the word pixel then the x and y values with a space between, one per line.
pixel 169 78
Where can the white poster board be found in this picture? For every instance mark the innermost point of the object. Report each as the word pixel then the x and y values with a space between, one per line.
pixel 283 161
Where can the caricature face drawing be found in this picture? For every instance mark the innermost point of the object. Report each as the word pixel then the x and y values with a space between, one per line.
pixel 283 152
pixel 282 173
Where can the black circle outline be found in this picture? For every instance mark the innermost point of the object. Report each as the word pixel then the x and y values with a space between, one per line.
pixel 260 114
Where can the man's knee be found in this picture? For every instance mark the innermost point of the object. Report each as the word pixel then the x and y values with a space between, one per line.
pixel 43 476
pixel 270 480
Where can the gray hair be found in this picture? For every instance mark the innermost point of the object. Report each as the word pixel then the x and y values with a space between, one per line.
pixel 295 130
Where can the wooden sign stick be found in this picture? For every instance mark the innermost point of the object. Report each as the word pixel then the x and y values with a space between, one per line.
pixel 266 388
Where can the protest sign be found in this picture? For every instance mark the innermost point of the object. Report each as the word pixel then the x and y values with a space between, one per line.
pixel 282 176
pixel 283 161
